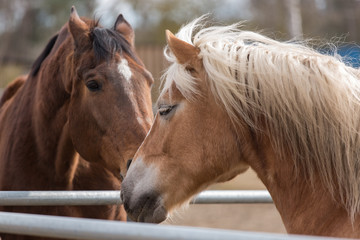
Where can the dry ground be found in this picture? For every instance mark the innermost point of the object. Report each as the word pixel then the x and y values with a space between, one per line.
pixel 246 217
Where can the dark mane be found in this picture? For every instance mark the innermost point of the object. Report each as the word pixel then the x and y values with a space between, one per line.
pixel 36 66
pixel 107 42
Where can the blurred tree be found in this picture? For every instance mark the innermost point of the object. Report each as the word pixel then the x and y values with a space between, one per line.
pixel 29 24
pixel 323 19
pixel 294 18
pixel 270 15
pixel 331 18
pixel 26 26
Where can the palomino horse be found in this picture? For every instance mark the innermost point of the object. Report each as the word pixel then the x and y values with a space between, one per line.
pixel 77 118
pixel 234 99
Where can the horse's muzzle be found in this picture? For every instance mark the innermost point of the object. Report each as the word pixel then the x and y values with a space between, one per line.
pixel 147 207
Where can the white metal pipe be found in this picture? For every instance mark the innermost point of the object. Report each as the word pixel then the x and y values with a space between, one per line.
pixel 57 198
pixel 230 196
pixel 76 228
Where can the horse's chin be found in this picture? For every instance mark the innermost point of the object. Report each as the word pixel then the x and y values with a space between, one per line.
pixel 158 215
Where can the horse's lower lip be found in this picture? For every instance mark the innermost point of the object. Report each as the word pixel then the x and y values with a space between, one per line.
pixel 158 215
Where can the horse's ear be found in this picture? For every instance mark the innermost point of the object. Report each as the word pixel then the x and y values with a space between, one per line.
pixel 78 28
pixel 183 51
pixel 123 27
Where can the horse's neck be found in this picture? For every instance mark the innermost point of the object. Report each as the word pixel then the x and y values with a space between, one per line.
pixel 40 111
pixel 305 208
pixel 52 114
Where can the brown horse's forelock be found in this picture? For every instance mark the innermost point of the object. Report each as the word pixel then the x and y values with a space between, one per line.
pixel 107 42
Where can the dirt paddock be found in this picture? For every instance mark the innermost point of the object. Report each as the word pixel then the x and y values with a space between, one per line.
pixel 245 217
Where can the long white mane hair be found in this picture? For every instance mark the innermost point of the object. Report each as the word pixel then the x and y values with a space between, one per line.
pixel 311 101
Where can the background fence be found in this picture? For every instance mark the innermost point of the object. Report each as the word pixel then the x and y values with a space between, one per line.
pixel 154 60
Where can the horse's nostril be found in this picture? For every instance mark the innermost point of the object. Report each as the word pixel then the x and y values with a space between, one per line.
pixel 128 164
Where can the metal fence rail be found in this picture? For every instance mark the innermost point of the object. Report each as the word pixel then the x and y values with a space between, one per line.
pixel 56 198
pixel 232 196
pixel 76 228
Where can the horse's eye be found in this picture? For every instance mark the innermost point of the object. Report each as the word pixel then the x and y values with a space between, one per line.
pixel 93 85
pixel 163 111
pixel 191 70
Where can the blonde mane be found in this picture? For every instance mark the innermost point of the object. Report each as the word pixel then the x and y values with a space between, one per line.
pixel 311 101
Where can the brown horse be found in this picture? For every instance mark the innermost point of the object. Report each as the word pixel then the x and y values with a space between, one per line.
pixel 234 99
pixel 77 118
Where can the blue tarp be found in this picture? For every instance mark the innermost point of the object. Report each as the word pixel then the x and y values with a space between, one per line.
pixel 350 54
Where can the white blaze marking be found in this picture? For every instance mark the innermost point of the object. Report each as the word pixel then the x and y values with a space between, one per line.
pixel 124 69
